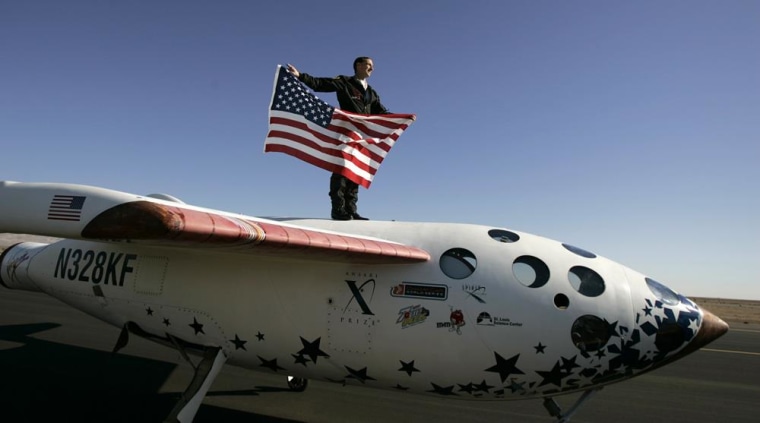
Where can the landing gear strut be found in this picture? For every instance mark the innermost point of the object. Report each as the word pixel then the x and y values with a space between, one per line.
pixel 556 411
pixel 205 372
pixel 213 358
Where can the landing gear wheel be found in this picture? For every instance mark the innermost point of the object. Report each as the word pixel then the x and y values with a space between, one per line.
pixel 297 384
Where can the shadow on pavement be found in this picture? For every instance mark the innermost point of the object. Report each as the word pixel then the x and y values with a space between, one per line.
pixel 43 380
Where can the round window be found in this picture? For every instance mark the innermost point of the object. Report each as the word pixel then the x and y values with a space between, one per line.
pixel 530 271
pixel 580 251
pixel 662 292
pixel 503 236
pixel 590 333
pixel 458 263
pixel 586 281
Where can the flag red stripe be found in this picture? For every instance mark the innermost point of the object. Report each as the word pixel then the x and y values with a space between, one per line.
pixel 339 154
pixel 332 167
pixel 329 140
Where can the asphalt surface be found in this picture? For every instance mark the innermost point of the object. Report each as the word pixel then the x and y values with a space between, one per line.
pixel 56 365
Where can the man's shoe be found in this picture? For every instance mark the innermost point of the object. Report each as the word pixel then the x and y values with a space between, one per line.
pixel 357 216
pixel 341 216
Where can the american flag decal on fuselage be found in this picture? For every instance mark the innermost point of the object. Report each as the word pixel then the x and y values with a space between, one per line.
pixel 66 207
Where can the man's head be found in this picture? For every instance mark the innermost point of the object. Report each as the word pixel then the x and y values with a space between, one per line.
pixel 363 67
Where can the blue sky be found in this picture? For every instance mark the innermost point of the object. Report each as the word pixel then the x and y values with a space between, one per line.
pixel 631 129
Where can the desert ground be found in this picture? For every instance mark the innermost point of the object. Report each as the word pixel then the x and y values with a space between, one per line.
pixel 737 313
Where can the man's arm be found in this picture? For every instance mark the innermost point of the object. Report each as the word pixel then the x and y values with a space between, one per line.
pixel 316 84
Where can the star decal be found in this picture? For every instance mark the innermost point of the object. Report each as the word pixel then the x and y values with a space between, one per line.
pixel 260 336
pixel 626 356
pixel 505 367
pixel 613 328
pixel 648 328
pixel 312 350
pixel 197 327
pixel 469 388
pixel 448 390
pixel 483 386
pixel 540 348
pixel 239 343
pixel 300 359
pixel 588 372
pixel 270 364
pixel 516 387
pixel 166 322
pixel 554 376
pixel 569 364
pixel 360 375
pixel 407 367
pixel 694 326
pixel 149 311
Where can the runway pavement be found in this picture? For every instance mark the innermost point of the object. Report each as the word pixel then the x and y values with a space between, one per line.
pixel 56 365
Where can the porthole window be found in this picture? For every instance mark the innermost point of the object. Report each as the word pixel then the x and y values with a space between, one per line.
pixel 530 271
pixel 670 336
pixel 580 251
pixel 561 301
pixel 586 281
pixel 662 292
pixel 458 263
pixel 503 236
pixel 590 333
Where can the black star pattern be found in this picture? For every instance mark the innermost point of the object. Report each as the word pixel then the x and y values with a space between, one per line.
pixel 505 367
pixel 260 336
pixel 600 354
pixel 540 348
pixel 612 327
pixel 469 388
pixel 448 390
pixel 360 375
pixel 239 343
pixel 626 356
pixel 300 359
pixel 312 350
pixel 483 386
pixel 270 364
pixel 568 364
pixel 197 327
pixel 554 376
pixel 588 372
pixel 516 387
pixel 407 367
pixel 149 311
pixel 166 322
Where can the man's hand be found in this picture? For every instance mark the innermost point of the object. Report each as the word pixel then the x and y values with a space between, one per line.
pixel 292 69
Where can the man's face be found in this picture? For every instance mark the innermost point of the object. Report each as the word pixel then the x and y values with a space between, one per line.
pixel 364 69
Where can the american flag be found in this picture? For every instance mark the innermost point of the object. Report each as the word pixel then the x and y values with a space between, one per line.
pixel 351 144
pixel 66 207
